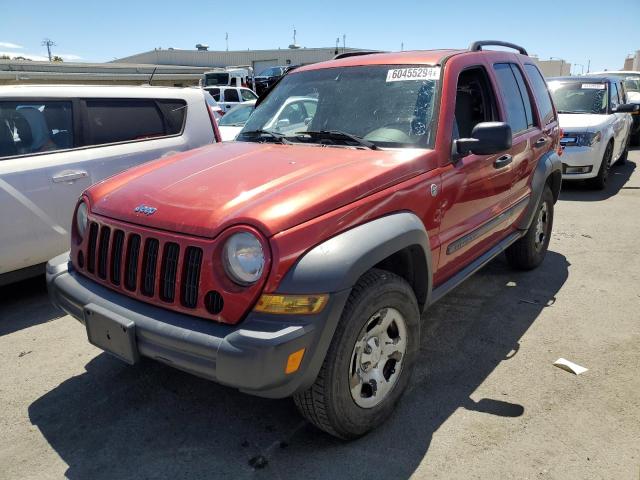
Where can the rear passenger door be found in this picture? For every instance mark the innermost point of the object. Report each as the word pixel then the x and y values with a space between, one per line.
pixel 619 120
pixel 528 141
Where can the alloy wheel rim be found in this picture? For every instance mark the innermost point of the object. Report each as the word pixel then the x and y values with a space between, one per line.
pixel 541 225
pixel 377 357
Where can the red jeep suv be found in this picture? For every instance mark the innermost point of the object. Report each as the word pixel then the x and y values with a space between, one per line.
pixel 297 260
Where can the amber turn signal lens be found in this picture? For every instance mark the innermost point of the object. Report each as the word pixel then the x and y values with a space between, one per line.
pixel 291 304
pixel 294 361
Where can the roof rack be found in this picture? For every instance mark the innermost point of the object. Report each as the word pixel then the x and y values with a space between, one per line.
pixel 355 54
pixel 477 46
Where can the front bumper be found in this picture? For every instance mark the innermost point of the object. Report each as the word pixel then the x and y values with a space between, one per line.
pixel 588 158
pixel 250 356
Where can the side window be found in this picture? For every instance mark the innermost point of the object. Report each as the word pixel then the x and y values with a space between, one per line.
pixel 35 127
pixel 113 120
pixel 247 95
pixel 541 94
pixel 475 102
pixel 518 115
pixel 231 95
pixel 524 94
pixel 215 93
pixel 613 91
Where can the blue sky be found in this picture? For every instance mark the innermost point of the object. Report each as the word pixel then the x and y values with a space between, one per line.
pixel 604 32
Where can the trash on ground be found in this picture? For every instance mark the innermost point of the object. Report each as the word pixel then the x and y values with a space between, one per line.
pixel 570 367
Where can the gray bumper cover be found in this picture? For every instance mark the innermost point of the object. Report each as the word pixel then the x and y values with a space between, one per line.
pixel 250 356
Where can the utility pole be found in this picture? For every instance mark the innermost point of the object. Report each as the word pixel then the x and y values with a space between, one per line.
pixel 226 39
pixel 588 65
pixel 344 42
pixel 48 43
pixel 402 46
pixel 337 45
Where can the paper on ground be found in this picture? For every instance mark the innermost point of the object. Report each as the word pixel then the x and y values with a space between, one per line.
pixel 571 367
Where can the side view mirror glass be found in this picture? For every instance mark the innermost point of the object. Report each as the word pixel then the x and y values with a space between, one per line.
pixel 487 138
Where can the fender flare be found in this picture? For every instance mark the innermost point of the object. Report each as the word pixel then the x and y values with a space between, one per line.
pixel 548 165
pixel 337 263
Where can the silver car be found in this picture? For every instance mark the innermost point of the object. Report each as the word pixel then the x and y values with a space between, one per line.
pixel 57 140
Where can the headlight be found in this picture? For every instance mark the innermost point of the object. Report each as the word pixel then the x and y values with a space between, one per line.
pixel 243 258
pixel 588 139
pixel 81 219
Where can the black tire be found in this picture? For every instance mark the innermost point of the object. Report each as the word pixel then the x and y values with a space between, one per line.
pixel 328 403
pixel 529 251
pixel 599 182
pixel 635 138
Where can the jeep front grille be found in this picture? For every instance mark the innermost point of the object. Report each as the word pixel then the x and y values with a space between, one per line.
pixel 149 266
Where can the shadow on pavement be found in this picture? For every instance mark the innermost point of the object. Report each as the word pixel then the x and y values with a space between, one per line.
pixel 25 304
pixel 619 175
pixel 116 421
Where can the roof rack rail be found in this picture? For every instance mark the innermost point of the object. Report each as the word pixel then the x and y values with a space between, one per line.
pixel 355 54
pixel 477 46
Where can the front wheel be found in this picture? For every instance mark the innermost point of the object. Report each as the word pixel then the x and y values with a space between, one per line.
pixel 599 182
pixel 529 251
pixel 369 362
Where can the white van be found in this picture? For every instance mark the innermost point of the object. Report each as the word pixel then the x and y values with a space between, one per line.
pixel 57 140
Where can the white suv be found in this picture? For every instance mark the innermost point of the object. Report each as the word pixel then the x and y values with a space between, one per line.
pixel 596 121
pixel 55 141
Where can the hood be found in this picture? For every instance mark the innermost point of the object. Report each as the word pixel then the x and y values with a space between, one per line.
pixel 229 132
pixel 581 122
pixel 270 186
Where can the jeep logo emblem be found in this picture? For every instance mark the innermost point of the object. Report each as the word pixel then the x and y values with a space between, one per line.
pixel 146 209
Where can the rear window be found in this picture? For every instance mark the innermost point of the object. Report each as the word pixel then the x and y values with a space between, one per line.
pixel 112 121
pixel 35 127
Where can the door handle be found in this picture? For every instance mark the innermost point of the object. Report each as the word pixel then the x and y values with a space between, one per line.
pixel 503 161
pixel 541 141
pixel 69 176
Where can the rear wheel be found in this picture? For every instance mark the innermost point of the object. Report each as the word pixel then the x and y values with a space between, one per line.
pixel 369 362
pixel 600 181
pixel 529 251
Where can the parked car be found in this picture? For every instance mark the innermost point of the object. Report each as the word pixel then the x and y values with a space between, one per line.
pixel 231 124
pixel 632 87
pixel 237 77
pixel 596 124
pixel 57 140
pixel 229 97
pixel 299 264
pixel 267 77
pixel 295 114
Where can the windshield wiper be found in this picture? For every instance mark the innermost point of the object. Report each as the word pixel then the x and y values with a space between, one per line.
pixel 280 138
pixel 340 134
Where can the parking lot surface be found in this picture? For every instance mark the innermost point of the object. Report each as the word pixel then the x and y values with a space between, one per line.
pixel 485 401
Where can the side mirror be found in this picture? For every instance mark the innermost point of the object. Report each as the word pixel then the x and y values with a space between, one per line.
pixel 487 138
pixel 282 123
pixel 626 108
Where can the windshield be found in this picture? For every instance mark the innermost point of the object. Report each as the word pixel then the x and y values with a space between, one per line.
pixel 270 72
pixel 220 78
pixel 387 106
pixel 237 116
pixel 579 97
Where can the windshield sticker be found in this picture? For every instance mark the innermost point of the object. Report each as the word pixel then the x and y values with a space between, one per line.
pixel 416 73
pixel 593 86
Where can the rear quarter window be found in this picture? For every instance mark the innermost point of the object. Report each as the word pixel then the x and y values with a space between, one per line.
pixel 114 120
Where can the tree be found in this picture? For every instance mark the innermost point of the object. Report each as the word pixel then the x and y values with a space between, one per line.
pixel 5 57
pixel 56 58
pixel 21 58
